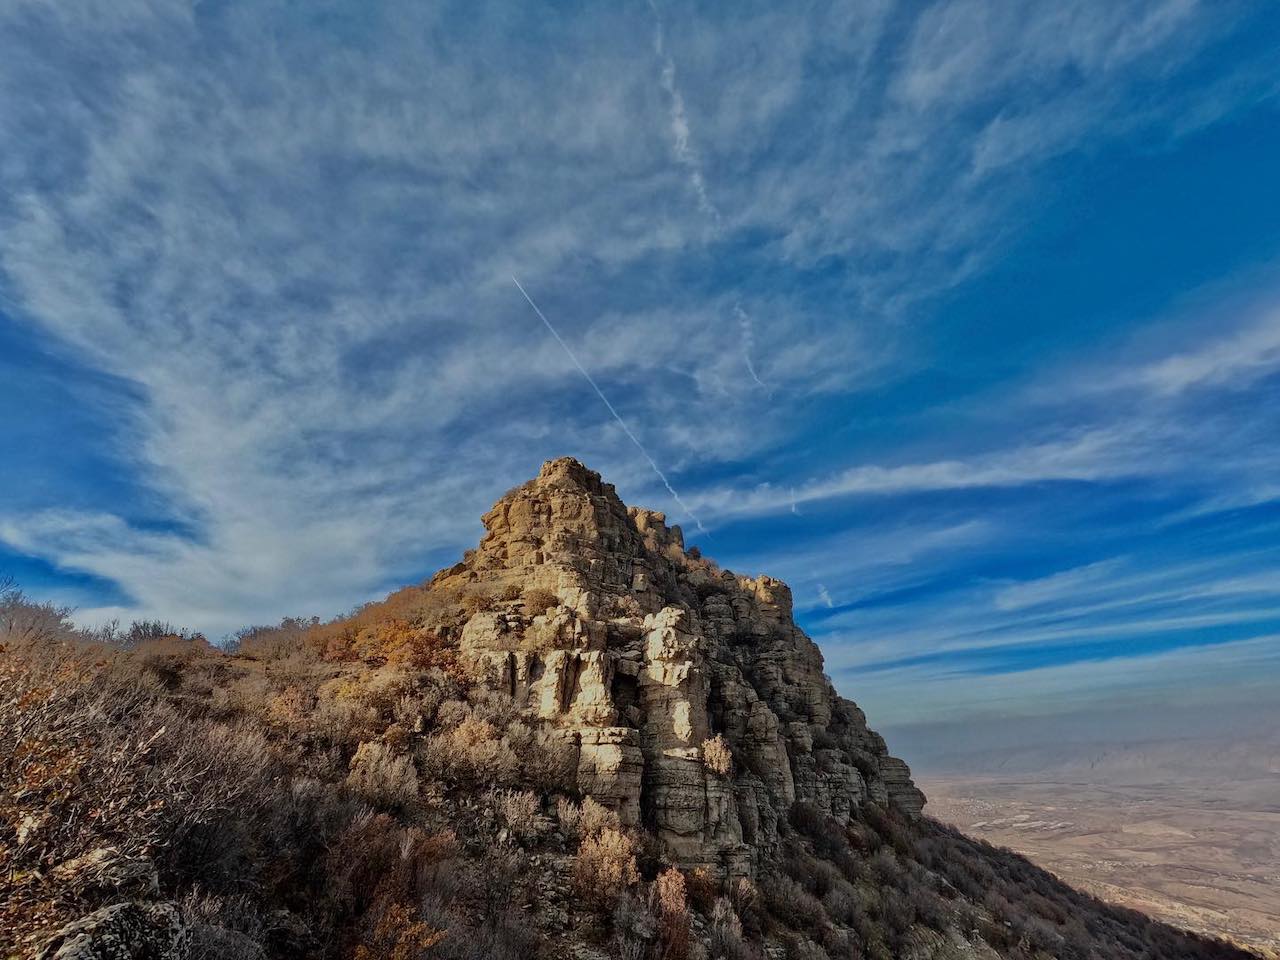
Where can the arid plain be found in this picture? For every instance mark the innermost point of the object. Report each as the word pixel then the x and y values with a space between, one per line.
pixel 1205 856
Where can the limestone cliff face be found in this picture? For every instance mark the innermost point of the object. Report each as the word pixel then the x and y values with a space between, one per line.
pixel 648 653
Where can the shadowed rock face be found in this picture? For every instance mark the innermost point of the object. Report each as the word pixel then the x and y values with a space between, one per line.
pixel 651 652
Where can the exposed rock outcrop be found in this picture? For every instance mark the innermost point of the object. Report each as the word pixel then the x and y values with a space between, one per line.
pixel 650 652
pixel 123 931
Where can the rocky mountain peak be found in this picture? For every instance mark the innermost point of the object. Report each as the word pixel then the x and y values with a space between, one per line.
pixel 691 700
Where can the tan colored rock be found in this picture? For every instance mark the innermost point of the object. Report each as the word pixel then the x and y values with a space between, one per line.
pixel 650 653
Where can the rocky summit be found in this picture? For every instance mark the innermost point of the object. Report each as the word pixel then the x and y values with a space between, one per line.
pixel 650 660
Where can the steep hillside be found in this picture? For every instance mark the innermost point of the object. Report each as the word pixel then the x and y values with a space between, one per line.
pixel 583 740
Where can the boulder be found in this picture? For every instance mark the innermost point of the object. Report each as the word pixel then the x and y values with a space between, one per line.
pixel 123 931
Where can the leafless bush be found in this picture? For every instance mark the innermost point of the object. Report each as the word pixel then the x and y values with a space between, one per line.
pixel 585 820
pixel 605 866
pixel 383 777
pixel 285 641
pixel 717 755
pixel 520 811
pixel 26 623
pixel 672 909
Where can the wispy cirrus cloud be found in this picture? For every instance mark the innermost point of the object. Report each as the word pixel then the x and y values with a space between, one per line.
pixel 1233 361
pixel 289 240
pixel 681 144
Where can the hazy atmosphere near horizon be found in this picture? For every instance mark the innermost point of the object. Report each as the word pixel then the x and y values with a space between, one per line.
pixel 962 318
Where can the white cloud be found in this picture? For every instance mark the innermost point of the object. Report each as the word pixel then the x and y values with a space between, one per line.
pixel 294 243
pixel 1068 583
pixel 1232 361
pixel 681 146
pixel 1099 454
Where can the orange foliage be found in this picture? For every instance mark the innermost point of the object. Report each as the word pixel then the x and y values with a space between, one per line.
pixel 397 934
pixel 398 631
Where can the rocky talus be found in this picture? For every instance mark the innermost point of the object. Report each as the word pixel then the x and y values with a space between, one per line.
pixel 650 661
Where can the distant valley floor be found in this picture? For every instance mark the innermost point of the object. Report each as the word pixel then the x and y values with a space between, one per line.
pixel 1205 858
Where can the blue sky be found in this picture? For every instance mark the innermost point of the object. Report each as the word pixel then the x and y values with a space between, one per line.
pixel 963 317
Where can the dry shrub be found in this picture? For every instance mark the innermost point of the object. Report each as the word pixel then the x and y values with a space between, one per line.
pixel 375 872
pixel 395 932
pixel 547 761
pixel 25 623
pixel 342 720
pixel 397 737
pixel 538 601
pixel 748 904
pixel 383 777
pixel 511 592
pixel 586 820
pixel 409 629
pixel 633 928
pixel 606 866
pixel 474 603
pixel 107 788
pixel 703 888
pixel 794 905
pixel 291 707
pixel 520 811
pixel 473 752
pixel 672 908
pixel 725 932
pixel 717 755
pixel 569 814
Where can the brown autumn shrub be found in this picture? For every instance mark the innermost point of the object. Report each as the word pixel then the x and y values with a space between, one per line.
pixel 717 755
pixel 105 787
pixel 473 752
pixel 670 904
pixel 538 601
pixel 474 603
pixel 586 819
pixel 605 866
pixel 394 931
pixel 703 888
pixel 383 777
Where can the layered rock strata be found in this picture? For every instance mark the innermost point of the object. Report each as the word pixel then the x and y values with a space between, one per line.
pixel 645 655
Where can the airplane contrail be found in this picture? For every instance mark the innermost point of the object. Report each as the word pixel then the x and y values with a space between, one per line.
pixel 748 344
pixel 605 400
